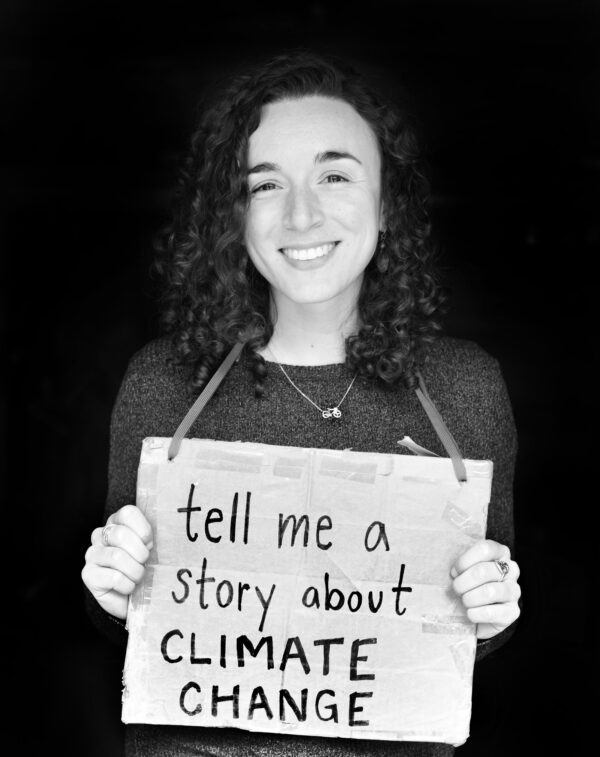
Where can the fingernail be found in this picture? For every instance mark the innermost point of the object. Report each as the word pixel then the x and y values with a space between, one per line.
pixel 453 572
pixel 150 545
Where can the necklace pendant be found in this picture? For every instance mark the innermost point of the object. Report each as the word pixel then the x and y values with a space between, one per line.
pixel 326 413
pixel 336 412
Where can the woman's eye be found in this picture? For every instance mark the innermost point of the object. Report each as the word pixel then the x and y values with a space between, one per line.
pixel 264 187
pixel 335 178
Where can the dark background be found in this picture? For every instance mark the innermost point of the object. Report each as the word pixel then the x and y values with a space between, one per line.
pixel 98 101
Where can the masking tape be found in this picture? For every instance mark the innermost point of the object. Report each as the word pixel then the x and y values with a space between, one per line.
pixel 142 595
pixel 463 654
pixel 360 472
pixel 462 521
pixel 446 624
pixel 220 459
pixel 290 467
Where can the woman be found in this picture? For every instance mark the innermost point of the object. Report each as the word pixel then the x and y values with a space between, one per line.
pixel 301 230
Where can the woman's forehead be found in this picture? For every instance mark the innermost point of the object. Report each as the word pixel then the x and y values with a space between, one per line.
pixel 311 124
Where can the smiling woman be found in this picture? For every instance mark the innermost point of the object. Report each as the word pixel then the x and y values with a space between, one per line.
pixel 301 232
pixel 292 159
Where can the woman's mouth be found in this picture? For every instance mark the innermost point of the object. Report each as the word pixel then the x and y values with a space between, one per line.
pixel 308 253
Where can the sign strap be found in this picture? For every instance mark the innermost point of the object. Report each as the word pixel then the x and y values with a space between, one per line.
pixel 202 399
pixel 433 414
pixel 441 430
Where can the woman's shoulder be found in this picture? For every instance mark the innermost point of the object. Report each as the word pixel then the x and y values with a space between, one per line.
pixel 462 370
pixel 154 365
pixel 153 355
pixel 153 390
pixel 452 357
pixel 467 386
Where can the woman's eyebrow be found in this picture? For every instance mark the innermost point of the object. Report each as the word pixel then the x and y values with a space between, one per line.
pixel 264 168
pixel 321 157
pixel 324 157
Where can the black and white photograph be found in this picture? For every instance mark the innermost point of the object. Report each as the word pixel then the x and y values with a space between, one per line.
pixel 300 377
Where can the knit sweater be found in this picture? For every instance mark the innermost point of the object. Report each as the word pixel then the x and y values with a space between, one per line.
pixel 466 386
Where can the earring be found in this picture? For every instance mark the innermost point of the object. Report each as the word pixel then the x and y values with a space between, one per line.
pixel 383 260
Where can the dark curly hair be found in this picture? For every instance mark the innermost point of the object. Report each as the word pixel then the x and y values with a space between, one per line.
pixel 213 296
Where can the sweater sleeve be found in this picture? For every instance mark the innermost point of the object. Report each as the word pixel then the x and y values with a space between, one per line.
pixel 129 423
pixel 467 386
pixel 499 428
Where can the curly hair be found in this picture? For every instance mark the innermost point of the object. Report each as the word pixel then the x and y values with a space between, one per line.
pixel 213 296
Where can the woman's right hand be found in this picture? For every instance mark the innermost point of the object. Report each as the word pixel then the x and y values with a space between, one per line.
pixel 113 570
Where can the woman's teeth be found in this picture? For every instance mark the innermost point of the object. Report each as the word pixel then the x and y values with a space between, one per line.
pixel 308 254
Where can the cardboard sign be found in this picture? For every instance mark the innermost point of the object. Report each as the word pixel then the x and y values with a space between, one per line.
pixel 304 591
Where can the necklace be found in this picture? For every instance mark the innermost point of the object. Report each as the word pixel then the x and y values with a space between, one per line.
pixel 330 412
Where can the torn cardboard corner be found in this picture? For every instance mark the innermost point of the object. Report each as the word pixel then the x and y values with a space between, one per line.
pixel 304 591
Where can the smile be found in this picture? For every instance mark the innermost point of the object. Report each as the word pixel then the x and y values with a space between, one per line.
pixel 308 253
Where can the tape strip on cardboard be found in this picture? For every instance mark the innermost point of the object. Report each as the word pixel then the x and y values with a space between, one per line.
pixel 219 459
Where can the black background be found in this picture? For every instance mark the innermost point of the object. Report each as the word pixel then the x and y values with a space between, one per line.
pixel 98 101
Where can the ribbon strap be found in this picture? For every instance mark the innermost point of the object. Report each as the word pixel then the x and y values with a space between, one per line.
pixel 441 430
pixel 202 399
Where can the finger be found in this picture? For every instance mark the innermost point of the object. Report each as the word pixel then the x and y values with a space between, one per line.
pixel 97 536
pixel 124 538
pixel 134 518
pixel 117 559
pixel 483 573
pixel 112 601
pixel 501 615
pixel 100 581
pixel 492 593
pixel 484 550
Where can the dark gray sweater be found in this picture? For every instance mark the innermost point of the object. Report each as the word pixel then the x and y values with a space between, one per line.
pixel 463 381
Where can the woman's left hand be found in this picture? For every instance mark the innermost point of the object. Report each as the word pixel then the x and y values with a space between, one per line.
pixel 487 589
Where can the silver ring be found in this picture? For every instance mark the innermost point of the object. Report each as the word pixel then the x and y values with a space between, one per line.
pixel 105 533
pixel 502 568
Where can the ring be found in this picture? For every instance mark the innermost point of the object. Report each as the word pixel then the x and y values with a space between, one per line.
pixel 105 533
pixel 502 568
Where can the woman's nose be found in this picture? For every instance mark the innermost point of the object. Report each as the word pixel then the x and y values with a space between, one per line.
pixel 303 209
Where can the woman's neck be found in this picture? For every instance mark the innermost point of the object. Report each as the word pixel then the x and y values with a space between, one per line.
pixel 312 334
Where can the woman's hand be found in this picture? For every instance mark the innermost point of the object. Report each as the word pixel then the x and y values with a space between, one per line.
pixel 114 564
pixel 487 589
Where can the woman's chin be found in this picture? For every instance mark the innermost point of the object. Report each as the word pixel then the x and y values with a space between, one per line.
pixel 319 293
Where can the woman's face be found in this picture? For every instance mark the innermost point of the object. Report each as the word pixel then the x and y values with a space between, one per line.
pixel 315 199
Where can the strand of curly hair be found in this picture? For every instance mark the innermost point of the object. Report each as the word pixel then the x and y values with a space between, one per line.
pixel 213 296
